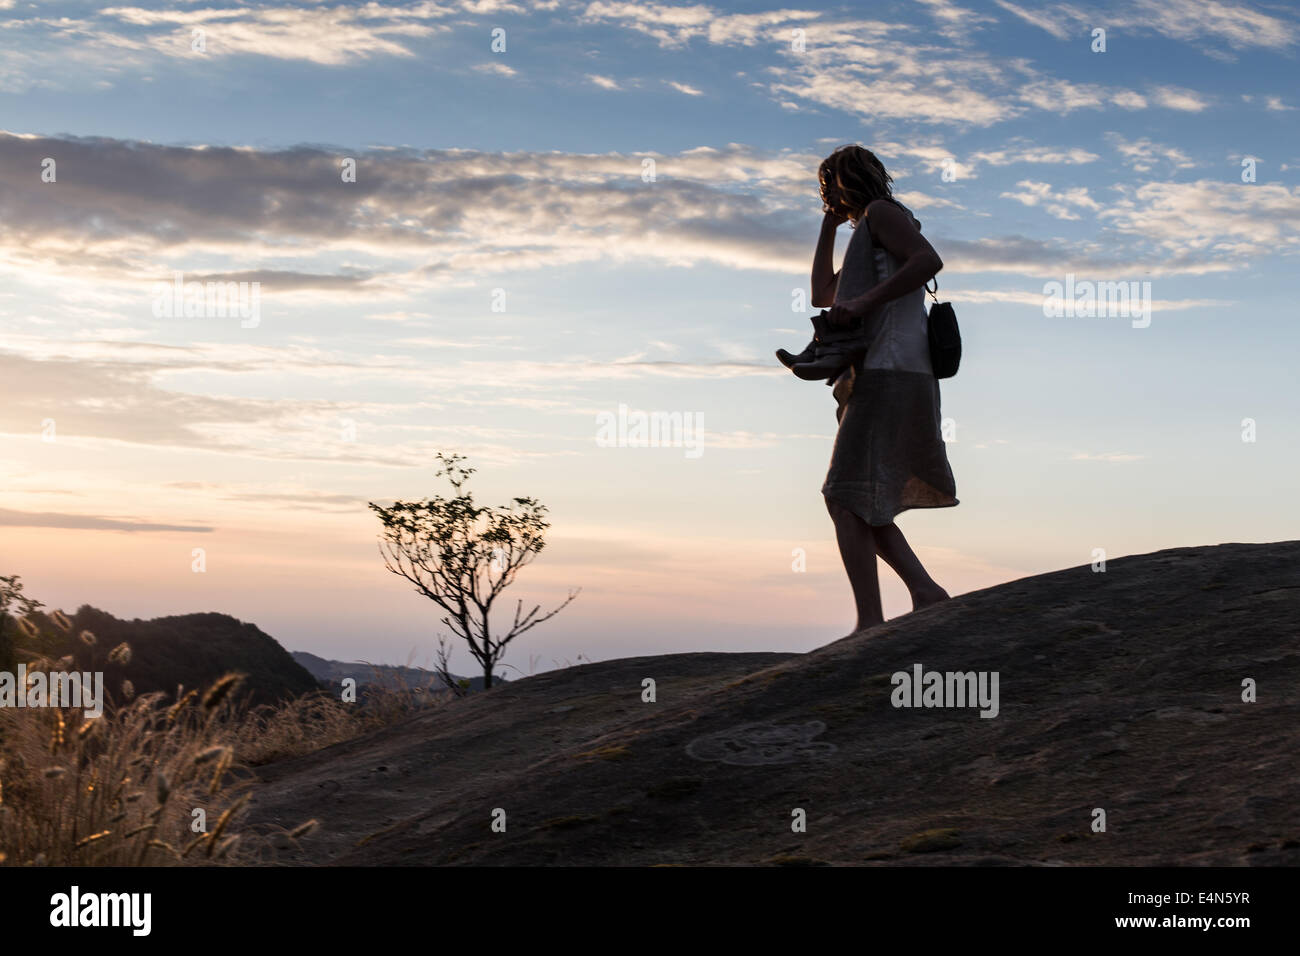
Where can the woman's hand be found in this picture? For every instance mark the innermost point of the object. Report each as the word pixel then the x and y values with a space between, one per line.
pixel 841 315
pixel 847 312
pixel 833 218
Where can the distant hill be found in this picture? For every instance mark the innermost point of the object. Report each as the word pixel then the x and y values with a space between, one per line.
pixel 190 650
pixel 333 672
pixel 1120 691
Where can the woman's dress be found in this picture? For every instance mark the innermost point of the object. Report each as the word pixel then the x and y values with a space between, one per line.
pixel 889 452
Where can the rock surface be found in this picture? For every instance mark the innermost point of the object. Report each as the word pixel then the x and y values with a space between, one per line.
pixel 1120 691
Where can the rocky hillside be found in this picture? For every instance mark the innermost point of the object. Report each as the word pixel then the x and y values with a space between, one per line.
pixel 1119 692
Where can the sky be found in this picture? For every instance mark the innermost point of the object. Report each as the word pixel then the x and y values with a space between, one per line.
pixel 485 227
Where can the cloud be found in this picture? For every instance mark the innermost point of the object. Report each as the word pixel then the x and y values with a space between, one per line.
pixel 1043 21
pixel 50 519
pixel 1056 94
pixel 914 199
pixel 118 393
pixel 938 159
pixel 1241 27
pixel 1129 100
pixel 325 35
pixel 282 280
pixel 125 215
pixel 1177 98
pixel 907 71
pixel 1055 203
pixel 1209 24
pixel 95 400
pixel 1021 150
pixel 497 67
pixel 885 81
pixel 1209 218
pixel 112 401
pixel 675 26
pixel 132 212
pixel 106 40
pixel 1036 299
pixel 933 157
pixel 892 71
pixel 955 23
pixel 1143 155
pixel 298 499
pixel 1052 258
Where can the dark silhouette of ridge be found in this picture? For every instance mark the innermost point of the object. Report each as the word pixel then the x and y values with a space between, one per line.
pixel 332 672
pixel 191 650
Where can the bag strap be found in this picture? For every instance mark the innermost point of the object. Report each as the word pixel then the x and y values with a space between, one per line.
pixel 870 254
pixel 933 292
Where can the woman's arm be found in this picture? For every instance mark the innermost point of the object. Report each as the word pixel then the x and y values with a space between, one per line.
pixel 824 277
pixel 892 228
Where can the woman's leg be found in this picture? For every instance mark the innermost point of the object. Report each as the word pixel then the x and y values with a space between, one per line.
pixel 898 554
pixel 858 551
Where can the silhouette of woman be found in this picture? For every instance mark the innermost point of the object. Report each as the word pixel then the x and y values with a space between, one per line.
pixel 889 453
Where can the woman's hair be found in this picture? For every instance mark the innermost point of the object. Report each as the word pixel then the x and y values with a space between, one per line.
pixel 863 177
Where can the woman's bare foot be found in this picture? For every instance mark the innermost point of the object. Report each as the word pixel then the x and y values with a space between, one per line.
pixel 925 598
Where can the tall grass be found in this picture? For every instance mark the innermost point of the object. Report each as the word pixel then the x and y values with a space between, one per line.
pixel 314 721
pixel 153 782
pixel 121 789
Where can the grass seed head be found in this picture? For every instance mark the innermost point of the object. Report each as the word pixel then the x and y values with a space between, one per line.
pixel 91 839
pixel 221 689
pixel 210 754
pixel 174 711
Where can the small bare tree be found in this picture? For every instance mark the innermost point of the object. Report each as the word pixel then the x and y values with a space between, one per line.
pixel 458 686
pixel 462 556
